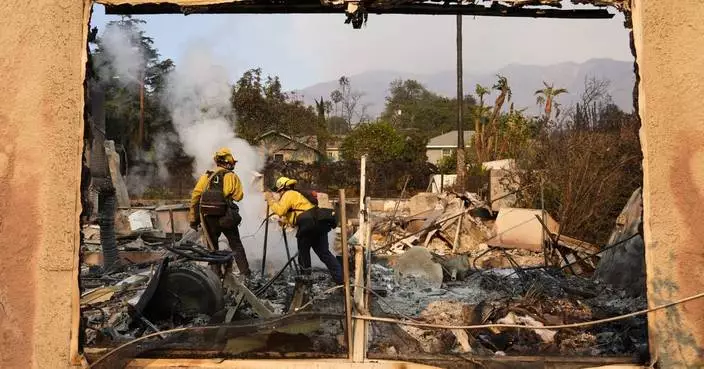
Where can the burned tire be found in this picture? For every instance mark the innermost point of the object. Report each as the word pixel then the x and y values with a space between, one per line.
pixel 185 291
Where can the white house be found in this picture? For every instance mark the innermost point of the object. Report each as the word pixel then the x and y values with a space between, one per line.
pixel 444 145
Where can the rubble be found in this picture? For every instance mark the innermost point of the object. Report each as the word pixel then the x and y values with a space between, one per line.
pixel 435 264
pixel 624 266
pixel 417 268
pixel 539 298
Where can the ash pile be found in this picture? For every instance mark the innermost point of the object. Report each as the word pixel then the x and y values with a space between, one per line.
pixel 158 285
pixel 451 261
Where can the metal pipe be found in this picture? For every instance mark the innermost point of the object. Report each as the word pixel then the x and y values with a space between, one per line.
pixel 263 288
pixel 266 238
pixel 346 273
pixel 288 252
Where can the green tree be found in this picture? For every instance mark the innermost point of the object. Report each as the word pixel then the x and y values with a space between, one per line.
pixel 414 147
pixel 337 125
pixel 379 141
pixel 321 128
pixel 132 75
pixel 411 106
pixel 260 105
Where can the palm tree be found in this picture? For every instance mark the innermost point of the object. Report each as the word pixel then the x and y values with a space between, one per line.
pixel 502 86
pixel 547 96
pixel 481 91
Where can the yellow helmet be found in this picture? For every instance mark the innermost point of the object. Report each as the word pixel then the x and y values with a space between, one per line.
pixel 283 182
pixel 225 155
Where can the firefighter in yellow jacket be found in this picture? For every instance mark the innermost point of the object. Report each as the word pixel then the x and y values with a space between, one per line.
pixel 213 202
pixel 293 207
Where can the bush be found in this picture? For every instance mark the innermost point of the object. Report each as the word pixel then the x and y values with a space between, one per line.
pixel 588 166
pixel 384 179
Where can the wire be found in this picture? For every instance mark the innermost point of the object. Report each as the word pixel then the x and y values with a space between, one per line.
pixel 382 299
pixel 266 219
pixel 562 326
pixel 606 248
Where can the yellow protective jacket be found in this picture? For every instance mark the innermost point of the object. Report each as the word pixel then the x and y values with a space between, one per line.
pixel 290 206
pixel 231 188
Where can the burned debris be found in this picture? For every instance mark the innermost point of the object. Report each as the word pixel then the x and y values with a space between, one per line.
pixel 432 261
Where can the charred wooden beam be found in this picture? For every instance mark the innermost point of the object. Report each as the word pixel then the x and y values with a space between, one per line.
pixel 505 362
pixel 315 7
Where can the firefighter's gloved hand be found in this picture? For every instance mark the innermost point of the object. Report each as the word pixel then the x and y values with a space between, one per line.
pixel 268 196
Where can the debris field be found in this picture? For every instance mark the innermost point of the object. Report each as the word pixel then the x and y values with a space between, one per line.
pixel 444 259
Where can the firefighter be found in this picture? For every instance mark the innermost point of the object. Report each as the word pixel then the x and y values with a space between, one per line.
pixel 296 209
pixel 213 202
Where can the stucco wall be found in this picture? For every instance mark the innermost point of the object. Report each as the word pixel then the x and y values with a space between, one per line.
pixel 42 43
pixel 669 39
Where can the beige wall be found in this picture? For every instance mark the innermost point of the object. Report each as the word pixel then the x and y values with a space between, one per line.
pixel 435 155
pixel 42 43
pixel 669 38
pixel 41 124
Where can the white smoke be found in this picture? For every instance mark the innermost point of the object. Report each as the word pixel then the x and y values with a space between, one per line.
pixel 123 50
pixel 155 172
pixel 123 61
pixel 198 97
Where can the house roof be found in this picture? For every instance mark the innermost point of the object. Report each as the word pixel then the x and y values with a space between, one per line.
pixel 304 142
pixel 449 139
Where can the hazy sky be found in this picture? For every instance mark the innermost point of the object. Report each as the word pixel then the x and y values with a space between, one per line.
pixel 307 49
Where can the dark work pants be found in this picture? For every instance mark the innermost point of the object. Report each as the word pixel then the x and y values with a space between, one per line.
pixel 219 225
pixel 318 241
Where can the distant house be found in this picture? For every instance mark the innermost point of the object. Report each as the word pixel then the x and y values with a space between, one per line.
pixel 333 148
pixel 444 145
pixel 280 147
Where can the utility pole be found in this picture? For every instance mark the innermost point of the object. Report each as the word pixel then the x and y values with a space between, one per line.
pixel 461 166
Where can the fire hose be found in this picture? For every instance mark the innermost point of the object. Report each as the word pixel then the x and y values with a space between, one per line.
pixel 194 252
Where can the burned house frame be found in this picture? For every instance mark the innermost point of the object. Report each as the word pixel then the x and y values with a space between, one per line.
pixel 41 131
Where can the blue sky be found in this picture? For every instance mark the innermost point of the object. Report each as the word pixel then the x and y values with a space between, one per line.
pixel 306 49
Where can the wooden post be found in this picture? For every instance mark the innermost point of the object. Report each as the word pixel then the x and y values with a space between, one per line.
pixel 171 220
pixel 359 325
pixel 362 194
pixel 457 233
pixel 346 274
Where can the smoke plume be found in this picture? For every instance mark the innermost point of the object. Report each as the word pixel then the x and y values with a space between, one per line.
pixel 123 61
pixel 124 58
pixel 198 97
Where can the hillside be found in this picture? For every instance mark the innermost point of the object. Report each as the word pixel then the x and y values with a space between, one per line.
pixel 524 80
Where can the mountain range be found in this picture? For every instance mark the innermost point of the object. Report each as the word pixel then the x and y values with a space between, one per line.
pixel 523 79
